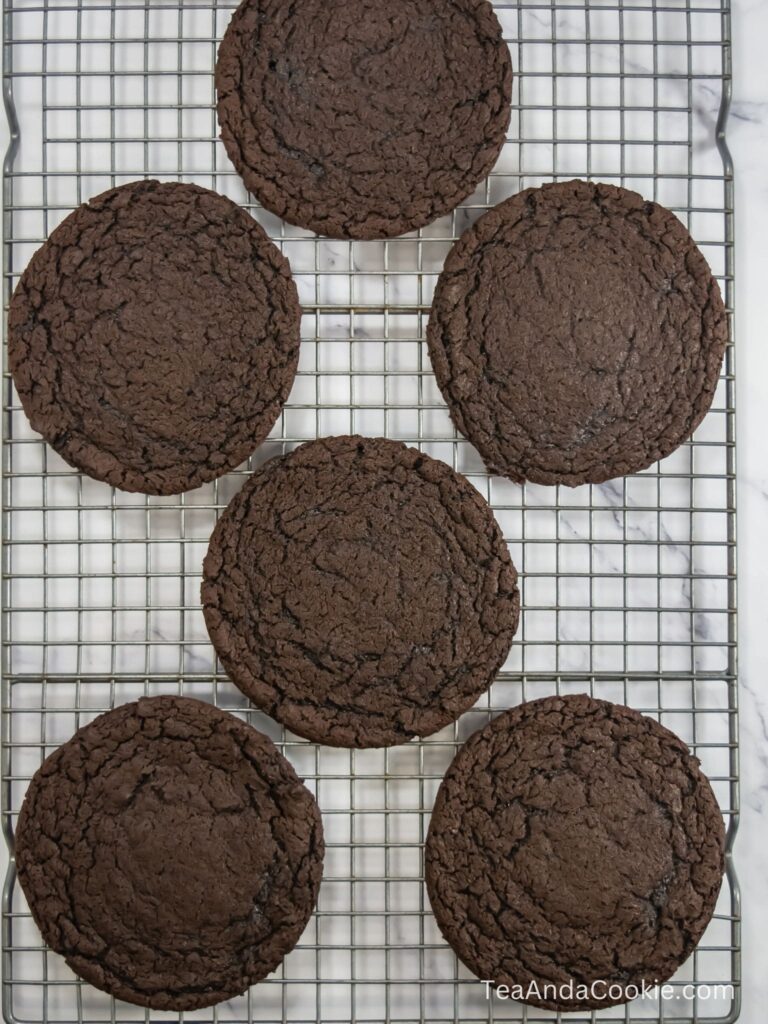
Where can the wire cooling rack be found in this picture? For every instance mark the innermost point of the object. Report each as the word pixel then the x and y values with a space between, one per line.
pixel 628 587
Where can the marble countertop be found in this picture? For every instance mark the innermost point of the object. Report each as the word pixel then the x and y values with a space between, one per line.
pixel 748 140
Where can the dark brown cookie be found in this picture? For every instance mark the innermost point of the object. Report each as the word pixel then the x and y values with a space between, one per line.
pixel 170 853
pixel 154 338
pixel 360 592
pixel 574 841
pixel 363 119
pixel 577 334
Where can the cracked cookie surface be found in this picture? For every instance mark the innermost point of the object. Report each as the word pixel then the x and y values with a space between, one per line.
pixel 574 840
pixel 363 119
pixel 154 337
pixel 576 334
pixel 360 592
pixel 170 853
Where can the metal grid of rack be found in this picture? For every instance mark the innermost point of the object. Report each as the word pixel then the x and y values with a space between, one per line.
pixel 628 587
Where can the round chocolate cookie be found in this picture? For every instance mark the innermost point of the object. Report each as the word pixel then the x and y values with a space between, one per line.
pixel 577 334
pixel 574 844
pixel 360 592
pixel 170 853
pixel 363 119
pixel 154 338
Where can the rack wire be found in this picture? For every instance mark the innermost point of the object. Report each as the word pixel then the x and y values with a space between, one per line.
pixel 629 588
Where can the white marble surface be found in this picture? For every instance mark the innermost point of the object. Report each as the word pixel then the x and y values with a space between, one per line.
pixel 748 137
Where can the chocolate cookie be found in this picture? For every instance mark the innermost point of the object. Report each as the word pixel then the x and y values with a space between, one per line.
pixel 363 119
pixel 577 334
pixel 154 338
pixel 574 842
pixel 170 853
pixel 360 592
